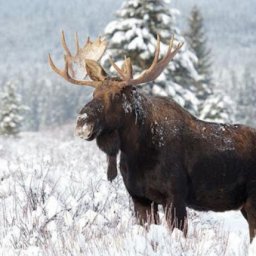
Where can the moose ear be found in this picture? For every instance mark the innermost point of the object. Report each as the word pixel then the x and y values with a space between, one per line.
pixel 127 68
pixel 95 71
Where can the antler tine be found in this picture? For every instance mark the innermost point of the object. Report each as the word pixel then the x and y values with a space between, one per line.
pixel 77 43
pixel 91 51
pixel 170 54
pixel 64 73
pixel 127 68
pixel 156 56
pixel 129 76
pixel 64 44
pixel 157 52
pixel 156 68
pixel 54 68
pixel 118 70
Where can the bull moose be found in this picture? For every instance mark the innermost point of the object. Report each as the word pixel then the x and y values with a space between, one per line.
pixel 168 157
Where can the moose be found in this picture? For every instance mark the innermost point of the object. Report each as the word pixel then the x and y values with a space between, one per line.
pixel 168 157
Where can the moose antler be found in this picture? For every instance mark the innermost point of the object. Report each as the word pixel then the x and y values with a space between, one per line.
pixel 154 70
pixel 90 51
pixel 87 57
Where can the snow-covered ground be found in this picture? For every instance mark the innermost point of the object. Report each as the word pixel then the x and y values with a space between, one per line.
pixel 55 200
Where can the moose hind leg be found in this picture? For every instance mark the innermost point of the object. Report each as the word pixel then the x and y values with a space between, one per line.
pixel 176 216
pixel 146 211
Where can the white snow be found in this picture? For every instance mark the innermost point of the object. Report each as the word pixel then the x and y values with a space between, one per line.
pixel 55 197
pixel 52 207
pixel 166 19
pixel 136 43
pixel 118 37
pixel 83 116
pixel 127 107
pixel 157 90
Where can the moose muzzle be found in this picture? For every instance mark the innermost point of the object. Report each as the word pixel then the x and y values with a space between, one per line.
pixel 85 132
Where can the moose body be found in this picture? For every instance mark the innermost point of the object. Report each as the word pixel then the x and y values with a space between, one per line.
pixel 171 158
pixel 167 156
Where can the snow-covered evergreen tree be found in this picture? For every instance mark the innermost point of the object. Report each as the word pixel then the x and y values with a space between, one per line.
pixel 218 107
pixel 197 40
pixel 214 103
pixel 133 34
pixel 246 98
pixel 11 110
pixel 51 101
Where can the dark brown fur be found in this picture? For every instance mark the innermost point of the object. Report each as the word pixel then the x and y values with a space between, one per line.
pixel 170 158
pixel 110 144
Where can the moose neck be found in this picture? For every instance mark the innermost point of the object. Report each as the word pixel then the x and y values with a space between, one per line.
pixel 145 118
pixel 135 110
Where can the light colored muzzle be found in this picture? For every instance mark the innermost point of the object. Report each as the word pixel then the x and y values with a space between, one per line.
pixel 85 131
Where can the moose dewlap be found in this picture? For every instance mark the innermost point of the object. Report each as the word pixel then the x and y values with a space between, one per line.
pixel 167 156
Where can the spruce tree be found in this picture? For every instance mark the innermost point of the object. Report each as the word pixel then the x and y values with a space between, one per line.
pixel 198 42
pixel 214 103
pixel 10 111
pixel 218 107
pixel 134 33
pixel 246 98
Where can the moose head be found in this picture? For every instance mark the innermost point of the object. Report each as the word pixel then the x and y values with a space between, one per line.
pixel 105 112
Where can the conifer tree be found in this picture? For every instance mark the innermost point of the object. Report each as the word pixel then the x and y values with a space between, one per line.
pixel 133 34
pixel 246 98
pixel 198 43
pixel 214 103
pixel 10 111
pixel 218 107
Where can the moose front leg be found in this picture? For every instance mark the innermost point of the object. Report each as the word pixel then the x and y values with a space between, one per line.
pixel 146 211
pixel 176 215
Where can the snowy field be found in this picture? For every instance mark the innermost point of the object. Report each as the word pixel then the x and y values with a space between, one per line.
pixel 55 200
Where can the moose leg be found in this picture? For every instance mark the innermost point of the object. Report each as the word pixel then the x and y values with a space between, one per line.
pixel 146 211
pixel 250 208
pixel 112 169
pixel 176 216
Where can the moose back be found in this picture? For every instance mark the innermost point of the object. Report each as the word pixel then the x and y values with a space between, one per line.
pixel 167 156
